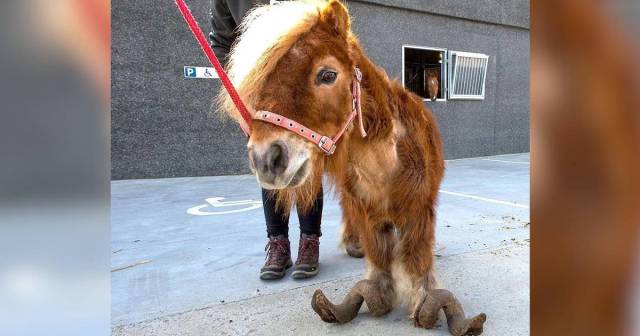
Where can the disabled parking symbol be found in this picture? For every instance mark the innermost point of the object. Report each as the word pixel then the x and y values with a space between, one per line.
pixel 218 202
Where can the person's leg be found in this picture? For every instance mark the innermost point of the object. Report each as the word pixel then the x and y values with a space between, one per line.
pixel 277 220
pixel 309 248
pixel 310 222
pixel 278 248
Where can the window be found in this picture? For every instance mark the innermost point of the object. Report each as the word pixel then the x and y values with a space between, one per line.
pixel 439 74
pixel 421 67
pixel 468 72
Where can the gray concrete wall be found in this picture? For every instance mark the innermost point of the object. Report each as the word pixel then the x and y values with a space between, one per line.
pixel 503 12
pixel 163 125
pixel 497 125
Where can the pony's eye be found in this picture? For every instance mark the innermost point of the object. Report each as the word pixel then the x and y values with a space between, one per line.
pixel 326 77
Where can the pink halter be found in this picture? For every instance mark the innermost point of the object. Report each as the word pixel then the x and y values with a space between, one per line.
pixel 327 144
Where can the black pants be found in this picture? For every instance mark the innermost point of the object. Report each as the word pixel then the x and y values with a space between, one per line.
pixel 278 222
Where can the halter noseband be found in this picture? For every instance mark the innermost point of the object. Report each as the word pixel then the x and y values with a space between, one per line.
pixel 325 143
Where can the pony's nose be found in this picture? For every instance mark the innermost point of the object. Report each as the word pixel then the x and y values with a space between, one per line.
pixel 272 162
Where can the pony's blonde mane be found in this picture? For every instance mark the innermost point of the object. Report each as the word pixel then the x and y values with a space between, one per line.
pixel 265 35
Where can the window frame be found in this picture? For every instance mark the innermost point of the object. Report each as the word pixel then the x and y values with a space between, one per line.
pixel 444 71
pixel 453 71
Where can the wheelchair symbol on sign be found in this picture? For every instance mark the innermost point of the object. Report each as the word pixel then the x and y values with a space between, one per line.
pixel 216 202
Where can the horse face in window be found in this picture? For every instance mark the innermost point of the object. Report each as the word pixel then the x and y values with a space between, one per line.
pixel 433 85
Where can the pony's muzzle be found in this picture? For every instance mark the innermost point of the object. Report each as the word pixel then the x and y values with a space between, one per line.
pixel 280 163
pixel 270 162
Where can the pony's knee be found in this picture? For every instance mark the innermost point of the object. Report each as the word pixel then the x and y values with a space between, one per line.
pixel 379 244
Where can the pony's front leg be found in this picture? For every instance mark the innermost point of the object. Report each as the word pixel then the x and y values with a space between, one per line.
pixel 417 260
pixel 377 291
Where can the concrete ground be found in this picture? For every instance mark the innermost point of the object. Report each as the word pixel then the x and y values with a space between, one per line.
pixel 186 254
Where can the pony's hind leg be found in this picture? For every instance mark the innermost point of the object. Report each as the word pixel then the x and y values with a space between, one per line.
pixel 376 291
pixel 350 239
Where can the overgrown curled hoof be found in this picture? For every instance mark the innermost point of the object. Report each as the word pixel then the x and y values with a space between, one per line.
pixel 348 309
pixel 472 326
pixel 323 307
pixel 436 299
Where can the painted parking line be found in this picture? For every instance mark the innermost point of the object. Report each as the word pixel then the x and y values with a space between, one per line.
pixel 217 202
pixel 494 157
pixel 505 161
pixel 485 199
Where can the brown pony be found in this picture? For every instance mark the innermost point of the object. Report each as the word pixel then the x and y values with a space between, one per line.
pixel 432 84
pixel 297 59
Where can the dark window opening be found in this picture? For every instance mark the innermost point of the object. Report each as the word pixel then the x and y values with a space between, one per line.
pixel 423 72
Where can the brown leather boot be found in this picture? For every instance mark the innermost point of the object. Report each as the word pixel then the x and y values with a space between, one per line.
pixel 278 258
pixel 307 265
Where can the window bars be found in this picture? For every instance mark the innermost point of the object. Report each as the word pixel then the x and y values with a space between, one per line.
pixel 468 75
pixel 462 74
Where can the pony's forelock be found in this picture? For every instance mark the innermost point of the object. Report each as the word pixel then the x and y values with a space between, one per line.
pixel 264 35
pixel 261 30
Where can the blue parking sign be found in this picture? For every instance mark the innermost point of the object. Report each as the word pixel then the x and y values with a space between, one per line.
pixel 193 72
pixel 190 72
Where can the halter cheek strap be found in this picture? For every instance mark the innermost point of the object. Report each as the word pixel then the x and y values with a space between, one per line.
pixel 325 143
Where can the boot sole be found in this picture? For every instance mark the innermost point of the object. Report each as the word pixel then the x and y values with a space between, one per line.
pixel 301 274
pixel 274 275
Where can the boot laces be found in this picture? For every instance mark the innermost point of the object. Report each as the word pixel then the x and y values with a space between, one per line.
pixel 275 249
pixel 308 246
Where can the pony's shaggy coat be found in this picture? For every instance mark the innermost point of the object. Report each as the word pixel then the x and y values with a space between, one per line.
pixel 388 182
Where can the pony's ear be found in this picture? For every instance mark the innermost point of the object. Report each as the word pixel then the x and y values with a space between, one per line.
pixel 335 15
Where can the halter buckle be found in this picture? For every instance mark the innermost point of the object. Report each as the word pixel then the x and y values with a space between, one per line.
pixel 358 74
pixel 327 145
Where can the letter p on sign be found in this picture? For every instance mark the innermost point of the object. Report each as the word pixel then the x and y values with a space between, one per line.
pixel 190 72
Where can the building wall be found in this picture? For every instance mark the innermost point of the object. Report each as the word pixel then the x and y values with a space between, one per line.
pixel 164 126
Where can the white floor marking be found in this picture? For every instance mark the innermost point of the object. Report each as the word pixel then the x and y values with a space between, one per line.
pixel 490 200
pixel 505 161
pixel 216 202
pixel 486 157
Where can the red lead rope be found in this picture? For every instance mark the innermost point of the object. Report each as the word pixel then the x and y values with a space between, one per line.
pixel 197 32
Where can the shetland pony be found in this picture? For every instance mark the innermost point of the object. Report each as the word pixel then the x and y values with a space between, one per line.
pixel 297 59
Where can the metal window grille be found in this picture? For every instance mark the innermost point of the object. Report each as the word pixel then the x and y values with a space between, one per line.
pixel 468 75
